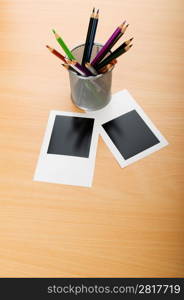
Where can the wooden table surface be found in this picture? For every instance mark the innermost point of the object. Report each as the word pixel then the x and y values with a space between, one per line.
pixel 130 223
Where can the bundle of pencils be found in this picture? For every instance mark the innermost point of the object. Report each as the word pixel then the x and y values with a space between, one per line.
pixel 105 59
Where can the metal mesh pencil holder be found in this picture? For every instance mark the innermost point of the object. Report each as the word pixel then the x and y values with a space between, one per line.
pixel 93 92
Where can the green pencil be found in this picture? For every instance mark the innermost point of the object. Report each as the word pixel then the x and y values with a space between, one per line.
pixel 63 45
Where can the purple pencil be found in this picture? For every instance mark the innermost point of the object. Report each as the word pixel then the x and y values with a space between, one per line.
pixel 109 44
pixel 82 69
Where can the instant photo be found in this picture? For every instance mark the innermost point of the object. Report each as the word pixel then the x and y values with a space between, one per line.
pixel 68 151
pixel 127 130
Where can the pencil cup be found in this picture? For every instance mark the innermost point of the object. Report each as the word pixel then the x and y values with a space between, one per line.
pixel 93 92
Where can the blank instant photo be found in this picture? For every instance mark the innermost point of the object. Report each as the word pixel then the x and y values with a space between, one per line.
pixel 68 151
pixel 127 130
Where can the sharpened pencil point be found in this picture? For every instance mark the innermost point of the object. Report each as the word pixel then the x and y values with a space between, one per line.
pixel 50 49
pixel 131 39
pixel 129 46
pixel 97 11
pixel 53 31
pixel 93 10
pixel 122 25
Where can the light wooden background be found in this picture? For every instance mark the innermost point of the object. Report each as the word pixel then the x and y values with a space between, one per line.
pixel 130 223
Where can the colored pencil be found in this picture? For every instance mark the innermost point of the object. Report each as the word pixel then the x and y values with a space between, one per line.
pixel 91 69
pixel 66 66
pixel 63 45
pixel 108 45
pixel 120 35
pixel 88 37
pixel 79 68
pixel 73 66
pixel 83 68
pixel 122 46
pixel 92 37
pixel 56 53
pixel 113 55
pixel 108 67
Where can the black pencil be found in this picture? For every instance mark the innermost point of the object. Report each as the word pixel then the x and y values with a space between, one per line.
pixel 88 37
pixel 122 46
pixel 121 50
pixel 92 37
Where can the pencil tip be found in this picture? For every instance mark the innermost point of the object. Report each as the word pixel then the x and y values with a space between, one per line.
pixel 97 11
pixel 93 10
pixel 122 24
pixel 53 30
pixel 131 39
pixel 48 47
pixel 127 25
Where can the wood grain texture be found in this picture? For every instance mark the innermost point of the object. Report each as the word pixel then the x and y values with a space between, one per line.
pixel 130 223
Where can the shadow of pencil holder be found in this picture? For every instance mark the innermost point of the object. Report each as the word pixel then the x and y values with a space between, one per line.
pixel 93 92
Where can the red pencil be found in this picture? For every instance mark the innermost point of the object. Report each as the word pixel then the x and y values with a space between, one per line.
pixel 59 55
